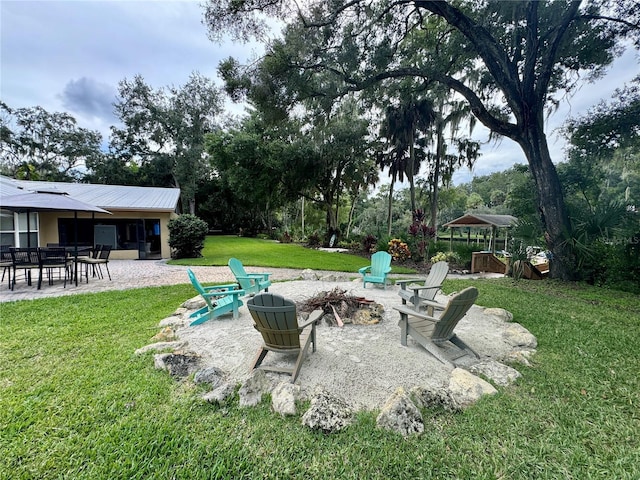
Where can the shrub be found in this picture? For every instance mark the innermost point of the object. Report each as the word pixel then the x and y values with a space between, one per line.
pixel 450 257
pixel 465 252
pixel 399 250
pixel 421 234
pixel 382 245
pixel 314 240
pixel 186 236
pixel 286 238
pixel 369 243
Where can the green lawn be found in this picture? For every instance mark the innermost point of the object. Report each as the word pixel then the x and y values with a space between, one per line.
pixel 267 253
pixel 75 403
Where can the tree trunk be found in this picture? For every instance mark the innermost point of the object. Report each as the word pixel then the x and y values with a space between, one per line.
pixel 411 172
pixel 551 206
pixel 436 178
pixel 352 210
pixel 389 208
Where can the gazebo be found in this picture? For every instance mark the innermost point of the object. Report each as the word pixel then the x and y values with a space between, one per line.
pixel 488 222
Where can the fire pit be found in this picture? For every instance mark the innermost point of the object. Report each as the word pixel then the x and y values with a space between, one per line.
pixel 341 308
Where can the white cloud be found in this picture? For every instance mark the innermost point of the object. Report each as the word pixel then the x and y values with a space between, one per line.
pixel 69 56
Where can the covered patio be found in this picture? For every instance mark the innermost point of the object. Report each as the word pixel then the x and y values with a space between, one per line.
pixel 485 261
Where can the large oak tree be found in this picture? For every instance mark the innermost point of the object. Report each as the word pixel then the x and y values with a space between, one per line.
pixel 510 61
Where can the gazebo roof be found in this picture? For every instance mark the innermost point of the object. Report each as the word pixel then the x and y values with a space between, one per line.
pixel 482 220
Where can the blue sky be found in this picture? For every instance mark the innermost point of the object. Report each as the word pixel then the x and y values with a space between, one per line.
pixel 70 55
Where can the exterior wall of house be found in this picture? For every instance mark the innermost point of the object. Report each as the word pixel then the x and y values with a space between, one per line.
pixel 49 231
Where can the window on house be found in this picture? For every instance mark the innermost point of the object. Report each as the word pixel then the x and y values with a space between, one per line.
pixel 14 230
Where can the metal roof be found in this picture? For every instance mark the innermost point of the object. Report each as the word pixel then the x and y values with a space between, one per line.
pixel 109 197
pixel 483 220
pixel 39 201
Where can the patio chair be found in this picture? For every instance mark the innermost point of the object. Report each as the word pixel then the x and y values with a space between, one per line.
pixel 436 334
pixel 51 259
pixel 417 294
pixel 220 300
pixel 251 283
pixel 23 259
pixel 276 319
pixel 377 271
pixel 6 263
pixel 96 261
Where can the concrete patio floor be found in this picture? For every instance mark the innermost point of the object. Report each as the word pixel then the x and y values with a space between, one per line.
pixel 127 274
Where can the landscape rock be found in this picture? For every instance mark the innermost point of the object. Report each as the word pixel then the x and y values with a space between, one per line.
pixel 165 335
pixel 308 274
pixel 399 414
pixel 465 388
pixel 500 313
pixel 174 320
pixel 499 373
pixel 212 376
pixel 368 316
pixel 334 277
pixel 518 356
pixel 159 346
pixel 253 388
pixel 194 303
pixel 220 394
pixel 518 336
pixel 431 396
pixel 179 365
pixel 283 398
pixel 327 413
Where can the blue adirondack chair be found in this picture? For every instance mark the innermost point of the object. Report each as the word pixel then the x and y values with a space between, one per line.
pixel 251 283
pixel 377 271
pixel 220 299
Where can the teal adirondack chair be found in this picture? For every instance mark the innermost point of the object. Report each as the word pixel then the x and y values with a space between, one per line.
pixel 377 271
pixel 251 283
pixel 220 299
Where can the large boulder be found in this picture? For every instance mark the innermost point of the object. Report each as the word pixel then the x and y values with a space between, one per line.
pixel 160 346
pixel 220 394
pixel 212 376
pixel 400 414
pixel 283 398
pixel 499 373
pixel 327 413
pixel 465 389
pixel 518 336
pixel 253 388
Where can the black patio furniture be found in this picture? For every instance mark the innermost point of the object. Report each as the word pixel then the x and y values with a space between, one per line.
pixel 24 259
pixel 52 259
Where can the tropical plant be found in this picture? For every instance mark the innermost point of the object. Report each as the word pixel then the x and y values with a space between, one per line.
pixel 421 234
pixel 398 249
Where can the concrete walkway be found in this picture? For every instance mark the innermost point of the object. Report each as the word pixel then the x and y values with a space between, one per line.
pixel 127 274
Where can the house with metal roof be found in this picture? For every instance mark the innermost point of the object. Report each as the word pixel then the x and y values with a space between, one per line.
pixel 136 225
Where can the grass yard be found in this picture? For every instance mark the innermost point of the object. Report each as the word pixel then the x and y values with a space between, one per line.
pixel 75 403
pixel 268 253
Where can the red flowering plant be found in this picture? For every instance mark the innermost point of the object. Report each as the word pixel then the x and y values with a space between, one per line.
pixel 399 250
pixel 421 234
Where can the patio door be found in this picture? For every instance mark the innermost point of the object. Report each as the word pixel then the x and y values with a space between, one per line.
pixel 142 240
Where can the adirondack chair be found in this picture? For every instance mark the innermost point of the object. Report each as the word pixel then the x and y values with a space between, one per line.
pixel 276 319
pixel 251 283
pixel 377 271
pixel 436 334
pixel 220 299
pixel 417 294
